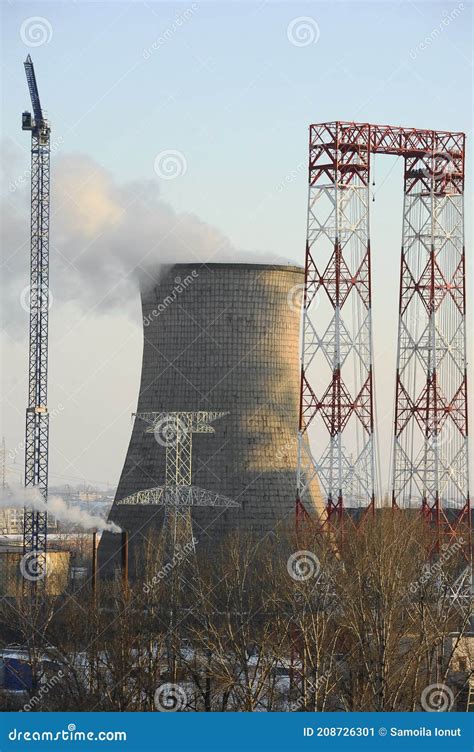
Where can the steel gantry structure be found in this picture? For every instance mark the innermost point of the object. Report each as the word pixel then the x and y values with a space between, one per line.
pixel 430 455
pixel 37 419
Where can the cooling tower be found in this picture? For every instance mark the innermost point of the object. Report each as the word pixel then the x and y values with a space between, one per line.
pixel 219 337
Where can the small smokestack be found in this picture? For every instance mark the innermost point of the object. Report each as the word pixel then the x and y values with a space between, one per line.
pixel 94 565
pixel 124 556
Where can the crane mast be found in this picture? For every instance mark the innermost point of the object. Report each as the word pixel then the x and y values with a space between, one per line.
pixel 37 418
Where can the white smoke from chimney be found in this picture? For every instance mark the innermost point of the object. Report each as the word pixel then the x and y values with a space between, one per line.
pixel 105 237
pixel 17 497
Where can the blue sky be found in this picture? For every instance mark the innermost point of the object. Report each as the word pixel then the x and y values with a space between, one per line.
pixel 225 85
pixel 230 92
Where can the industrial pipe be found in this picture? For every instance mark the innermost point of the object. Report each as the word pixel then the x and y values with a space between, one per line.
pixel 124 556
pixel 94 565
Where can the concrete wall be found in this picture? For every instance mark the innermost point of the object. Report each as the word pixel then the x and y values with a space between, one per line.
pixel 220 337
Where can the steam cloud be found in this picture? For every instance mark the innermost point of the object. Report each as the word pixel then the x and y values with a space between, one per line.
pixel 18 497
pixel 105 237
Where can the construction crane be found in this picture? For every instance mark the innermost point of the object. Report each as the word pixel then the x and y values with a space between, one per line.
pixel 37 419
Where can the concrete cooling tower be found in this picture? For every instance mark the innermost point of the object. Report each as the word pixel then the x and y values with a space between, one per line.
pixel 219 338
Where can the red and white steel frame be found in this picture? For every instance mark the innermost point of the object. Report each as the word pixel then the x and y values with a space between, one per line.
pixel 430 463
pixel 430 459
pixel 336 373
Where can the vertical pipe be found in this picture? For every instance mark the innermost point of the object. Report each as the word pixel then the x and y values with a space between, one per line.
pixel 94 566
pixel 124 556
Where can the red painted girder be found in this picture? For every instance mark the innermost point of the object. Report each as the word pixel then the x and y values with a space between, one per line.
pixel 431 409
pixel 388 139
pixel 432 286
pixel 347 147
pixel 337 405
pixel 338 281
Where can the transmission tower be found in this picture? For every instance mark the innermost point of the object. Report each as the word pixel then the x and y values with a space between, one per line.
pixel 337 398
pixel 37 419
pixel 174 431
pixel 178 496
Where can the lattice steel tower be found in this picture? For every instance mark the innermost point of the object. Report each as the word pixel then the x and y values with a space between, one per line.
pixel 174 430
pixel 431 445
pixel 336 375
pixel 37 419
pixel 430 460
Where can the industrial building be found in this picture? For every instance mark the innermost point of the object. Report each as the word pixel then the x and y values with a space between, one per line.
pixel 16 570
pixel 219 338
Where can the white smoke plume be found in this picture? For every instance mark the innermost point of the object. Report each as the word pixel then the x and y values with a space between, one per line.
pixel 18 497
pixel 105 237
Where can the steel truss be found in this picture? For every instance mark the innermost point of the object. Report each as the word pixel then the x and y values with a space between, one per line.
pixel 180 496
pixel 37 418
pixel 337 396
pixel 174 430
pixel 336 374
pixel 430 464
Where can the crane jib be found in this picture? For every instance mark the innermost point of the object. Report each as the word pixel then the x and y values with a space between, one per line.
pixel 34 95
